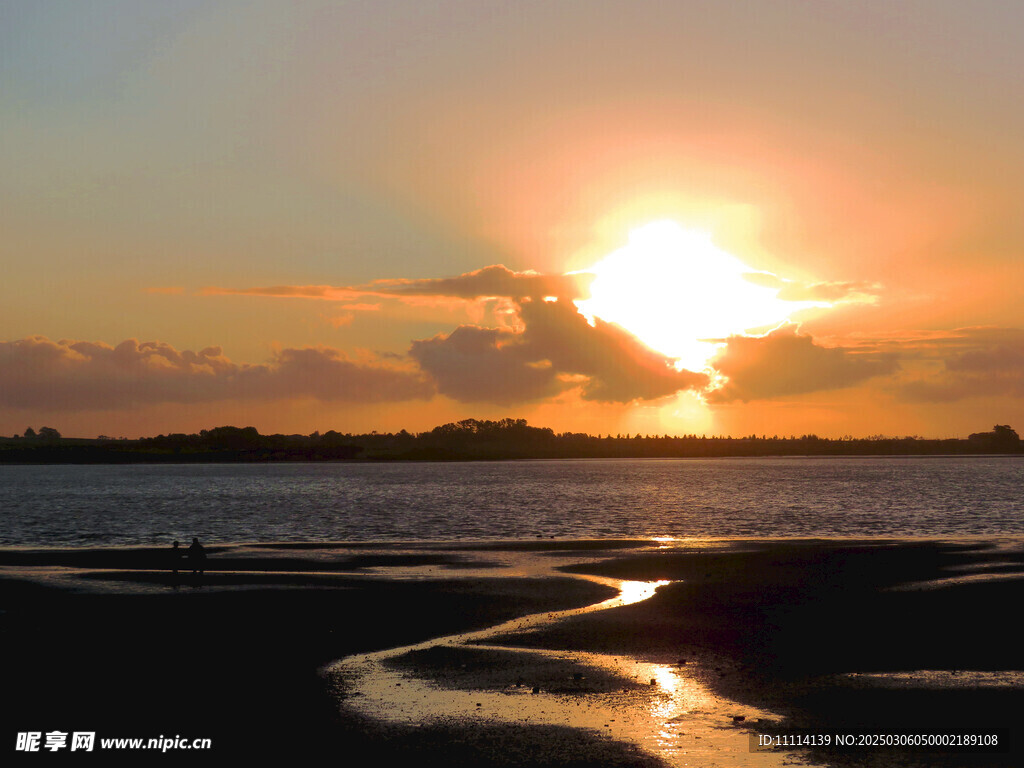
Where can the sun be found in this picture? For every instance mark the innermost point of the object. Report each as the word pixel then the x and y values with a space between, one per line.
pixel 680 294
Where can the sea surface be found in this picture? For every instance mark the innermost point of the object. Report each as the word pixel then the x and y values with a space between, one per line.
pixel 61 505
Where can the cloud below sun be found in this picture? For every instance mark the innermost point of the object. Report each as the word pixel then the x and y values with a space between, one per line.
pixel 668 312
pixel 681 294
pixel 646 322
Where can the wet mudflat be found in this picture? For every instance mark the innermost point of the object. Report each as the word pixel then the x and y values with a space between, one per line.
pixel 788 635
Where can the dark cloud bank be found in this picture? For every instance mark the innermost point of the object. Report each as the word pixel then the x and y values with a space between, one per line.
pixel 981 362
pixel 79 375
pixel 557 349
pixel 785 362
pixel 553 349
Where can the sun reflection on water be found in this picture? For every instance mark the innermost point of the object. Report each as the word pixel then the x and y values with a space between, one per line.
pixel 638 591
pixel 661 707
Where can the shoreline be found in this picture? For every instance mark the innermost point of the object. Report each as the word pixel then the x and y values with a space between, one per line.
pixel 177 460
pixel 792 625
pixel 18 554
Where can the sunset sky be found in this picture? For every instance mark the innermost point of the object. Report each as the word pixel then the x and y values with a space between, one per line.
pixel 657 217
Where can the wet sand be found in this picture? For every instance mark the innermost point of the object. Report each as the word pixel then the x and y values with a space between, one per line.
pixel 828 635
pixel 834 636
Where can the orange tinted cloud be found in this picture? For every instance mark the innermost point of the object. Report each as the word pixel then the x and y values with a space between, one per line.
pixel 831 292
pixel 489 282
pixel 326 292
pixel 473 364
pixel 493 281
pixel 81 375
pixel 785 362
pixel 975 362
pixel 556 349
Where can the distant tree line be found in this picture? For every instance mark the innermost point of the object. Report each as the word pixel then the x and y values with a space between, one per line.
pixel 472 439
pixel 45 434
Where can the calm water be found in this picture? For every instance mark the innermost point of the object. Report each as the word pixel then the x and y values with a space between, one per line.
pixel 888 497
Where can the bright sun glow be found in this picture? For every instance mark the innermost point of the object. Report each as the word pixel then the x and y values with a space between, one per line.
pixel 677 292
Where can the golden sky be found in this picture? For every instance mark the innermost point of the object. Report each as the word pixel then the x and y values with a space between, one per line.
pixel 657 217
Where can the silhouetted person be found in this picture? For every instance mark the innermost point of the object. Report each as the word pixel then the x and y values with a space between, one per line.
pixel 197 557
pixel 176 556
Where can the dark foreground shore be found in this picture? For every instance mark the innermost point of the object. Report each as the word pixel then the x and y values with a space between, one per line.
pixel 109 641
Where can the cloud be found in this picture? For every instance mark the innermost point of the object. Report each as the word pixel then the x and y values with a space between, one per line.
pixel 555 350
pixel 327 292
pixel 975 362
pixel 474 364
pixel 348 314
pixel 81 375
pixel 946 344
pixel 860 291
pixel 490 282
pixel 495 281
pixel 784 362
